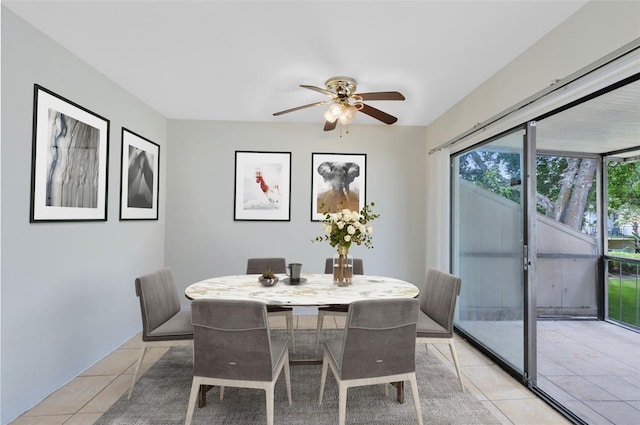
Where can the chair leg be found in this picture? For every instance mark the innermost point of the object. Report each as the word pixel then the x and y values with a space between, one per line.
pixel 269 396
pixel 342 404
pixel 426 346
pixel 287 376
pixel 454 355
pixel 289 317
pixel 416 397
pixel 195 389
pixel 323 377
pixel 143 350
pixel 319 328
pixel 221 393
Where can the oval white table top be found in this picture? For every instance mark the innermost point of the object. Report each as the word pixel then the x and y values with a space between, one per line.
pixel 317 290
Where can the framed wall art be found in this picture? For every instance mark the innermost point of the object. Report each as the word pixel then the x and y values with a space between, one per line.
pixel 338 181
pixel 139 178
pixel 69 164
pixel 262 186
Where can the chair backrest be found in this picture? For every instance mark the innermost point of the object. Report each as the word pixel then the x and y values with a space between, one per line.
pixel 258 265
pixel 379 338
pixel 159 299
pixel 231 340
pixel 438 297
pixel 358 266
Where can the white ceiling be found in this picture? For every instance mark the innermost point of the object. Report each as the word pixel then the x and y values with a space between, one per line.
pixel 605 124
pixel 244 60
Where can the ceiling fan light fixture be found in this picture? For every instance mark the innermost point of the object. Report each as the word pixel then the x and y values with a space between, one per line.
pixel 348 114
pixel 333 112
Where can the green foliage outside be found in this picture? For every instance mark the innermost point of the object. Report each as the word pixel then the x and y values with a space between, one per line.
pixel 632 255
pixel 496 171
pixel 624 299
pixel 623 190
pixel 623 187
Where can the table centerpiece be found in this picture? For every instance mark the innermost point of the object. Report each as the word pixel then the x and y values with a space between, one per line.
pixel 268 278
pixel 342 229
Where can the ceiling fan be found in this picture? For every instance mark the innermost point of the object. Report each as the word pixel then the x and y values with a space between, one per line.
pixel 345 103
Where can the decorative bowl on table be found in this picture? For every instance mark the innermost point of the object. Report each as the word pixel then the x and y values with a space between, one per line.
pixel 268 278
pixel 265 281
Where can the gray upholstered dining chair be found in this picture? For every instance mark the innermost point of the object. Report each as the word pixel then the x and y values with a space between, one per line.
pixel 438 298
pixel 276 265
pixel 162 317
pixel 334 310
pixel 232 347
pixel 379 346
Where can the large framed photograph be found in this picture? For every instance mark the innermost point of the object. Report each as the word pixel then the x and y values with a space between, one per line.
pixel 69 162
pixel 338 181
pixel 262 186
pixel 139 178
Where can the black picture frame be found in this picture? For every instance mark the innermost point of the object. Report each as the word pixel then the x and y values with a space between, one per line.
pixel 70 160
pixel 262 186
pixel 139 177
pixel 329 170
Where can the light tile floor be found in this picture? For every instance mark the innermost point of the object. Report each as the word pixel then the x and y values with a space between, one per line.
pixel 83 400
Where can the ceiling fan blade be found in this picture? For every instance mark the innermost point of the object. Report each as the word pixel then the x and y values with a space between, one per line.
pixel 319 90
pixel 297 108
pixel 378 114
pixel 381 95
pixel 328 125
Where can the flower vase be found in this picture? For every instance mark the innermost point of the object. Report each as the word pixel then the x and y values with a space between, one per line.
pixel 342 267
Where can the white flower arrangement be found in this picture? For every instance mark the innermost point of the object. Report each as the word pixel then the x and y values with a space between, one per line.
pixel 346 227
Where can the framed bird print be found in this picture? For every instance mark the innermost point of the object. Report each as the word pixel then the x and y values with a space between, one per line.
pixel 262 186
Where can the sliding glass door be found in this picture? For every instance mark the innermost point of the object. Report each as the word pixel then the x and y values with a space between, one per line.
pixel 489 244
pixel 545 238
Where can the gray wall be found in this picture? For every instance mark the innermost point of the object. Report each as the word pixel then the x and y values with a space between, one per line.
pixel 203 240
pixel 67 288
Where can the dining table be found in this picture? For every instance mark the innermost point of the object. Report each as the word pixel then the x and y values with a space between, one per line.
pixel 311 290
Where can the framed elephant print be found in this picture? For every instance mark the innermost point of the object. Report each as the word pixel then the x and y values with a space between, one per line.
pixel 338 181
pixel 139 178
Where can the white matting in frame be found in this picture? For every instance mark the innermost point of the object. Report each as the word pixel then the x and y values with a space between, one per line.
pixel 262 186
pixel 139 178
pixel 70 157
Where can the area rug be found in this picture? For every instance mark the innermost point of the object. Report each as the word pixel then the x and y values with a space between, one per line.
pixel 161 396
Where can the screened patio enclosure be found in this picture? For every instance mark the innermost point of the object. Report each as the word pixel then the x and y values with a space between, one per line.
pixel 538 213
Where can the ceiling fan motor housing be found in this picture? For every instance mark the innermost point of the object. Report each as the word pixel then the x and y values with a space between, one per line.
pixel 343 87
